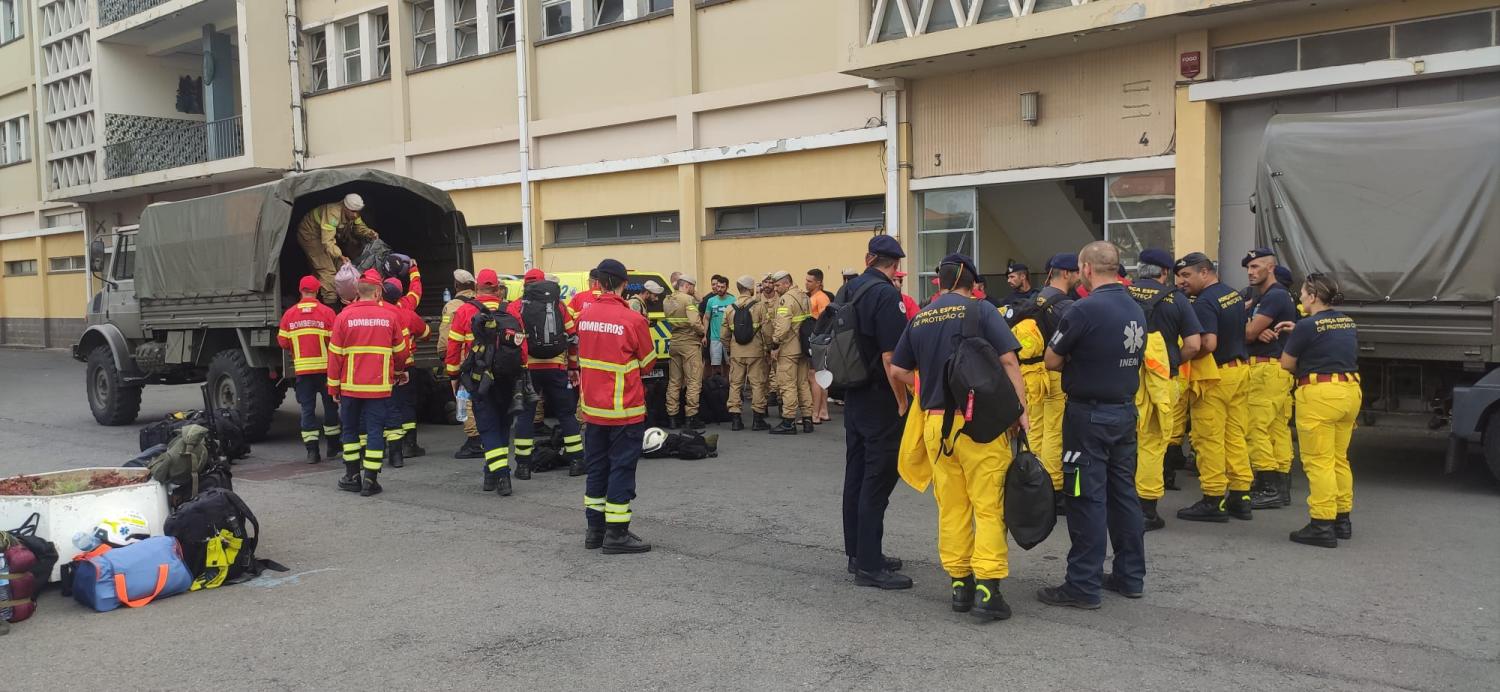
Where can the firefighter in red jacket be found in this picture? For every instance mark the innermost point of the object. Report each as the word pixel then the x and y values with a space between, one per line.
pixel 401 419
pixel 554 380
pixel 366 357
pixel 492 410
pixel 304 331
pixel 614 351
pixel 582 299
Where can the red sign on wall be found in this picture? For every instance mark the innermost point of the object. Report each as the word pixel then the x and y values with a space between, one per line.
pixel 1191 64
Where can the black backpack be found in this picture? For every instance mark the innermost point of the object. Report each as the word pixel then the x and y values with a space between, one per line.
pixel 977 387
pixel 714 401
pixel 209 517
pixel 1030 514
pixel 744 323
pixel 496 351
pixel 546 337
pixel 226 432
pixel 835 343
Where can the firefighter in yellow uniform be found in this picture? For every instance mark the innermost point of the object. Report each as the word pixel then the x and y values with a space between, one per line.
pixel 324 233
pixel 1049 306
pixel 681 309
pixel 747 361
pixel 791 363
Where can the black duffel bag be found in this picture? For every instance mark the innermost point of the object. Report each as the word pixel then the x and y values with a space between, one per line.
pixel 1029 511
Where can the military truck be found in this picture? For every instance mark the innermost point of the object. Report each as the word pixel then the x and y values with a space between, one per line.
pixel 195 292
pixel 1402 207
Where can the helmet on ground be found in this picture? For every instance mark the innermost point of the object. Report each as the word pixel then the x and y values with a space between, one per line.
pixel 123 530
pixel 653 440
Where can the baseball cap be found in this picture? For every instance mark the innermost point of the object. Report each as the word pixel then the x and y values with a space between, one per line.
pixel 961 260
pixel 488 277
pixel 1156 258
pixel 309 284
pixel 654 288
pixel 612 267
pixel 780 275
pixel 1014 267
pixel 354 202
pixel 371 277
pixel 1191 259
pixel 849 272
pixel 1065 261
pixel 391 291
pixel 886 246
pixel 688 278
pixel 534 274
pixel 746 282
pixel 1283 275
pixel 1256 254
pixel 462 276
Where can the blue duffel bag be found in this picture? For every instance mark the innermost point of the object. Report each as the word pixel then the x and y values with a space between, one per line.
pixel 132 576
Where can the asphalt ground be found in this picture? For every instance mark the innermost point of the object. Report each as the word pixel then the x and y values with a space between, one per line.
pixel 435 585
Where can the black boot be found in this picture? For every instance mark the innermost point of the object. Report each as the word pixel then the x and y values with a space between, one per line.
pixel 1210 508
pixel 491 480
pixel 1343 529
pixel 523 468
pixel 350 482
pixel 963 594
pixel 1266 493
pixel 759 423
pixel 314 455
pixel 575 466
pixel 472 449
pixel 335 447
pixel 618 540
pixel 1114 583
pixel 891 564
pixel 807 425
pixel 1151 521
pixel 1237 505
pixel 884 579
pixel 988 603
pixel 1318 532
pixel 372 484
pixel 593 538
pixel 1285 488
pixel 409 447
pixel 1058 507
pixel 1169 479
pixel 393 456
pixel 502 485
pixel 672 422
pixel 694 423
pixel 736 423
pixel 787 427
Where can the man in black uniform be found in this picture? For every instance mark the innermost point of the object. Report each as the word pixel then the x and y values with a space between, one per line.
pixel 1098 347
pixel 1019 280
pixel 872 424
pixel 1269 386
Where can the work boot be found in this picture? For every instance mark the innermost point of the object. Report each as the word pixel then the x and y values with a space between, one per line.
pixel 575 466
pixel 1237 505
pixel 884 579
pixel 736 423
pixel 1058 506
pixel 1343 529
pixel 1210 508
pixel 393 456
pixel 335 447
pixel 891 564
pixel 502 485
pixel 523 469
pixel 759 424
pixel 372 484
pixel 1117 585
pixel 1266 493
pixel 1169 479
pixel 1061 596
pixel 619 540
pixel 314 455
pixel 1285 488
pixel 593 538
pixel 963 594
pixel 694 423
pixel 491 480
pixel 409 447
pixel 1150 520
pixel 671 422
pixel 471 449
pixel 350 482
pixel 1318 532
pixel 787 427
pixel 988 603
pixel 807 425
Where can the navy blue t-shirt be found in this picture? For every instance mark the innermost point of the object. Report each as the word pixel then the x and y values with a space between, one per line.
pixel 1174 317
pixel 1103 338
pixel 1325 343
pixel 1276 304
pixel 1221 311
pixel 936 331
pixel 882 320
pixel 1051 305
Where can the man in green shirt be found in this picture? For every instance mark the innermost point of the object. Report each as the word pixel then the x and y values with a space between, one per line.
pixel 714 306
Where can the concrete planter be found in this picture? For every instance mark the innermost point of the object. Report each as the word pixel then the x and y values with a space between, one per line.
pixel 64 515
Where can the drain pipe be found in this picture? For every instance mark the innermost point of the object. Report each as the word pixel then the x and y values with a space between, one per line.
pixel 890 93
pixel 523 133
pixel 299 135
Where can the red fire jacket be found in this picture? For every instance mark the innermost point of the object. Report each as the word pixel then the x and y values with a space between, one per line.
pixel 414 291
pixel 582 299
pixel 560 362
pixel 461 333
pixel 614 350
pixel 304 331
pixel 367 349
pixel 413 327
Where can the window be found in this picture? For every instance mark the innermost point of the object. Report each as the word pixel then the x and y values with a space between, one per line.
pixel 1139 212
pixel 862 212
pixel 349 33
pixel 608 11
pixel 1442 35
pixel 496 236
pixel 505 24
pixel 994 9
pixel 382 44
pixel 423 35
pixel 891 26
pixel 1345 48
pixel 465 28
pixel 1409 39
pixel 941 16
pixel 75 263
pixel 661 225
pixel 20 268
pixel 946 227
pixel 658 5
pixel 72 219
pixel 11 26
pixel 317 60
pixel 557 17
pixel 124 269
pixel 1256 60
pixel 13 141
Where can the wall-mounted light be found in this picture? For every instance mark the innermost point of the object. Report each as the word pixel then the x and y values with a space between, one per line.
pixel 1029 112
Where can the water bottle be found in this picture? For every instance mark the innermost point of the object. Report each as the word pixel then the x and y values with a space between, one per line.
pixel 461 399
pixel 86 541
pixel 4 590
pixel 447 295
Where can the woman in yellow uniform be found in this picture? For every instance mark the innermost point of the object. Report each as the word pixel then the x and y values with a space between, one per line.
pixel 1322 354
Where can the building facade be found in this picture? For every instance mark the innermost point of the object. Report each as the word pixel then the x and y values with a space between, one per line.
pixel 709 136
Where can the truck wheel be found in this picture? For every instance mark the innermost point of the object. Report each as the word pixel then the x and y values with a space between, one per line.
pixel 1492 444
pixel 111 400
pixel 234 384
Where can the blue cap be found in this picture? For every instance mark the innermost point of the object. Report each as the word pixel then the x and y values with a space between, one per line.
pixel 391 293
pixel 1283 275
pixel 886 246
pixel 962 260
pixel 1065 261
pixel 613 268
pixel 1256 254
pixel 1014 267
pixel 1192 259
pixel 1156 258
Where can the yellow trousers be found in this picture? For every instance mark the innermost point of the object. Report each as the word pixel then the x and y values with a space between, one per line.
pixel 1153 430
pixel 754 371
pixel 969 487
pixel 1219 419
pixel 1281 433
pixel 792 386
pixel 1180 411
pixel 1045 401
pixel 1269 388
pixel 1326 412
pixel 686 368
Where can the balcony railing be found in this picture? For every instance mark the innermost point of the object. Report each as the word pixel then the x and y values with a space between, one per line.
pixel 183 146
pixel 111 11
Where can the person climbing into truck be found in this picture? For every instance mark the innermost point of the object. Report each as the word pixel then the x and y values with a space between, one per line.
pixel 325 232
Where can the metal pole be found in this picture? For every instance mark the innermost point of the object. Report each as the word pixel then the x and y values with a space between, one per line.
pixel 523 133
pixel 299 137
pixel 889 113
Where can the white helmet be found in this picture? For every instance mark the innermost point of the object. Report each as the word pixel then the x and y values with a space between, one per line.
pixel 122 530
pixel 653 440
